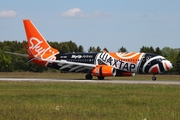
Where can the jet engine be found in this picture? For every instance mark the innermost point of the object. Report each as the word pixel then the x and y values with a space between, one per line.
pixel 103 70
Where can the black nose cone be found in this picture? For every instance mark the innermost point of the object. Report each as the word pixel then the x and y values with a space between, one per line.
pixel 172 64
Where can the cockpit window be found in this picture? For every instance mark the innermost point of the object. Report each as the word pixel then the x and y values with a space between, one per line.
pixel 160 59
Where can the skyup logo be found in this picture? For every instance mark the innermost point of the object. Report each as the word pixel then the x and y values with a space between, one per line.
pixel 41 49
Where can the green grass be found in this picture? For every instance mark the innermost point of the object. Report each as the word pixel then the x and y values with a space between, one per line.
pixel 82 76
pixel 79 101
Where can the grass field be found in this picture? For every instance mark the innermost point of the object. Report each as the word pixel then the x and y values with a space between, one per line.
pixel 82 76
pixel 79 101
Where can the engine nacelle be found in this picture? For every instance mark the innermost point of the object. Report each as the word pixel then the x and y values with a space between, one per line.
pixel 123 73
pixel 103 70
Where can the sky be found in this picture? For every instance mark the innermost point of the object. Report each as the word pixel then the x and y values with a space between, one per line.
pixel 108 24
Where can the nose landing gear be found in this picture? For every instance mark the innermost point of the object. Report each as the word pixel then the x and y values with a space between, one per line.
pixel 153 77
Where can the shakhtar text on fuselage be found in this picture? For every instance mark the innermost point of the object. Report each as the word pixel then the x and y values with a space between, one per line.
pixel 113 63
pixel 101 64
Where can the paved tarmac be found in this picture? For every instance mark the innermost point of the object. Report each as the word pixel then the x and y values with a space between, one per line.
pixel 93 81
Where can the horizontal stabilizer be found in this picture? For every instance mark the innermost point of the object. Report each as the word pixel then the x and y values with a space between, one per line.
pixel 19 54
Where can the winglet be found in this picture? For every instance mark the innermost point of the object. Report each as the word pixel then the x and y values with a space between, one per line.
pixel 104 50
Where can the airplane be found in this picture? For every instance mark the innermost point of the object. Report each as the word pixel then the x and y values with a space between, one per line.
pixel 100 65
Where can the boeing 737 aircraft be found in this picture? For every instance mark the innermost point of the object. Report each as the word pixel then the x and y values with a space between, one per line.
pixel 101 64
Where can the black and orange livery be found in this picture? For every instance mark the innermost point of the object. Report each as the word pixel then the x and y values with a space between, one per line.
pixel 94 64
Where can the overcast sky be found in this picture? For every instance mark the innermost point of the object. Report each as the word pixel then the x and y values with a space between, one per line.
pixel 105 23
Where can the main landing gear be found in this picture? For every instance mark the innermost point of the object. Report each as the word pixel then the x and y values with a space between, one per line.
pixel 100 77
pixel 153 77
pixel 89 77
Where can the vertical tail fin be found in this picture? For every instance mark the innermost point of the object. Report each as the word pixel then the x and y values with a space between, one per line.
pixel 38 46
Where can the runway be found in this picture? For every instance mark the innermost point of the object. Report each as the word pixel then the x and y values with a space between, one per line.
pixel 93 81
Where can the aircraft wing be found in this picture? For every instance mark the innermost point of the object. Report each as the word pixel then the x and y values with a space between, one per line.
pixel 72 66
pixel 72 63
pixel 19 54
pixel 63 64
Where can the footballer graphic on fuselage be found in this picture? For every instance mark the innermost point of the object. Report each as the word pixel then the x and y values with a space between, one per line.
pixel 101 64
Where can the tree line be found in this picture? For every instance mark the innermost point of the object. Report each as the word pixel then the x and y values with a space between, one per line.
pixel 10 63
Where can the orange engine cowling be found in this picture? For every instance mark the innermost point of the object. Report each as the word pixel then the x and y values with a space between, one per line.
pixel 123 73
pixel 103 70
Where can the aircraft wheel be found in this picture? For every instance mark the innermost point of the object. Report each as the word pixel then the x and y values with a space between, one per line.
pixel 89 77
pixel 101 77
pixel 154 78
